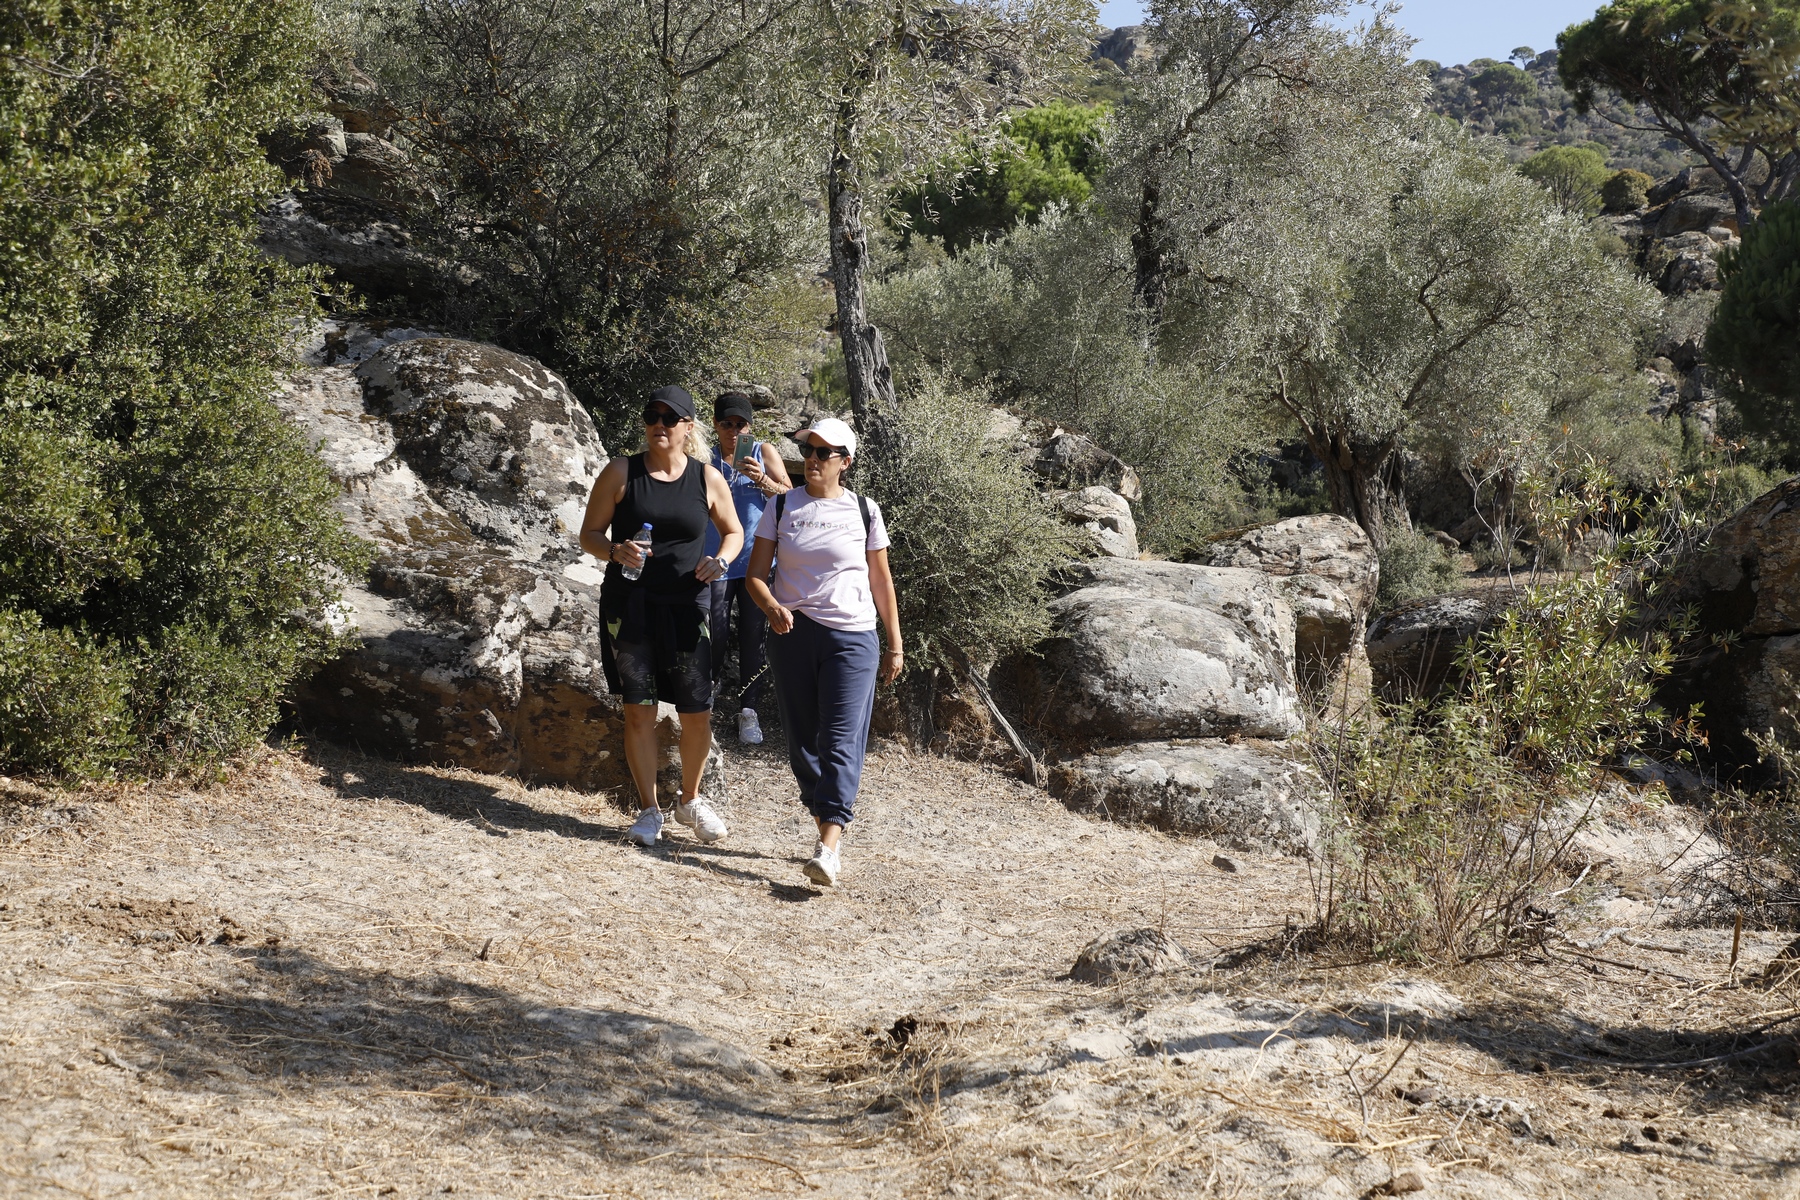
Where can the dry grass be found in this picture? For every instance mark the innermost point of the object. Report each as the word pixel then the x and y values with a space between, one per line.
pixel 377 980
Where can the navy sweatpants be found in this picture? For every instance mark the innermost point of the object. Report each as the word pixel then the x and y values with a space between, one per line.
pixel 825 686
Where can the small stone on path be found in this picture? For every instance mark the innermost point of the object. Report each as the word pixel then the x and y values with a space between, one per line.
pixel 1127 952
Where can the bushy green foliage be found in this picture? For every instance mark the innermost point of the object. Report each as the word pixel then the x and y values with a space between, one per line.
pixel 1049 155
pixel 1754 339
pixel 1502 84
pixel 1572 174
pixel 1625 191
pixel 609 193
pixel 1413 566
pixel 167 540
pixel 1044 319
pixel 973 542
pixel 1450 818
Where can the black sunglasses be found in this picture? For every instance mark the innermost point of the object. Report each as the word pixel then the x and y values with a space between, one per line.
pixel 824 453
pixel 666 417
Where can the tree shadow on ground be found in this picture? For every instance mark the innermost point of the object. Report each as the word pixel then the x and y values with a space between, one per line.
pixel 605 1081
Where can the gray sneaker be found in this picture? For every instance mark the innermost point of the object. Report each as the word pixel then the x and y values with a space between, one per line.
pixel 647 828
pixel 699 816
pixel 822 867
pixel 749 728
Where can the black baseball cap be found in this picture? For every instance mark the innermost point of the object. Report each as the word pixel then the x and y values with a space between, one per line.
pixel 676 397
pixel 733 404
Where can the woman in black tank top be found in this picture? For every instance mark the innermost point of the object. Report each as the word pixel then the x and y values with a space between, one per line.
pixel 677 514
pixel 653 630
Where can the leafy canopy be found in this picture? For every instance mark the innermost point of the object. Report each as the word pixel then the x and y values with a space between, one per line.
pixel 1049 155
pixel 1754 339
pixel 166 539
pixel 1573 175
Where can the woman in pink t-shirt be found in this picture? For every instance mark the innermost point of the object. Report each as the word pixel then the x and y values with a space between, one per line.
pixel 831 588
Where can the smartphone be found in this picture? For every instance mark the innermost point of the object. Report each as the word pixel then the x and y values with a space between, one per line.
pixel 745 452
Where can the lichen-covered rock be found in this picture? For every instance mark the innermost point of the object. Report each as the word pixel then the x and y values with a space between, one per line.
pixel 1125 953
pixel 1158 650
pixel 1104 519
pixel 1326 568
pixel 1069 460
pixel 468 468
pixel 1249 795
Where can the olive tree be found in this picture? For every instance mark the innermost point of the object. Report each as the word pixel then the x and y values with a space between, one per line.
pixel 1467 307
pixel 612 182
pixel 898 84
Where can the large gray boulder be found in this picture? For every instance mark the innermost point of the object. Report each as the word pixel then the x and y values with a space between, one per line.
pixel 1413 649
pixel 1327 569
pixel 467 467
pixel 1255 796
pixel 1164 650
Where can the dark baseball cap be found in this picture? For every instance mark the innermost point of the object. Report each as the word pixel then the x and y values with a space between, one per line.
pixel 676 397
pixel 733 404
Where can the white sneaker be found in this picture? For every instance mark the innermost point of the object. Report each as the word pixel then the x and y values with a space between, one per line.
pixel 699 816
pixel 647 828
pixel 749 728
pixel 822 867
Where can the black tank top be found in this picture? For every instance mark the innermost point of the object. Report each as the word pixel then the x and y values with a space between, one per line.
pixel 678 517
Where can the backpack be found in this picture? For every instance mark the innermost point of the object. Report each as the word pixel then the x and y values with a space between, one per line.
pixel 862 504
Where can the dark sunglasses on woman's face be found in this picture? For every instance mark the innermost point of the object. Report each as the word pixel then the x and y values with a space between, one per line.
pixel 666 417
pixel 733 423
pixel 824 453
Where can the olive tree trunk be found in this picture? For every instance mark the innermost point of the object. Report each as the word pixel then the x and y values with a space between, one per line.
pixel 1365 483
pixel 865 357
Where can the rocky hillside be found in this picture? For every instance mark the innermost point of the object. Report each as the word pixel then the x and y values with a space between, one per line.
pixel 1526 107
pixel 1521 103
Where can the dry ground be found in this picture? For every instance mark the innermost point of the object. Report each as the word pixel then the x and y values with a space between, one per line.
pixel 338 976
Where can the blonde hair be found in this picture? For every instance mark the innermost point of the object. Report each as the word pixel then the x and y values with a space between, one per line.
pixel 696 445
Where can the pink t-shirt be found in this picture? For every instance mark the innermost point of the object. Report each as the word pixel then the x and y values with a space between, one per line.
pixel 821 561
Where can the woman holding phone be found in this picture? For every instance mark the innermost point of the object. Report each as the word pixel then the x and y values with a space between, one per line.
pixel 654 640
pixel 754 472
pixel 819 572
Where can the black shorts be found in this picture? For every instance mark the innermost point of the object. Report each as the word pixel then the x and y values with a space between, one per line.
pixel 660 652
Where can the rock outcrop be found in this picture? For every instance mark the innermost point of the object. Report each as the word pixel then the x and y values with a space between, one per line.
pixel 468 468
pixel 1166 650
pixel 1069 460
pixel 1327 569
pixel 1107 528
pixel 1241 793
pixel 1413 649
pixel 1745 582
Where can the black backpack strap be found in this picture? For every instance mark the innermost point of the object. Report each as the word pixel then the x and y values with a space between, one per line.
pixel 862 502
pixel 780 507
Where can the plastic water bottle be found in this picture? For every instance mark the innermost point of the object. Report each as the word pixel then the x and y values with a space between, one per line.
pixel 642 538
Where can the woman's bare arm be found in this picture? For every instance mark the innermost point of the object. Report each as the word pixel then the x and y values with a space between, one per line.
pixel 756 582
pixel 887 603
pixel 603 501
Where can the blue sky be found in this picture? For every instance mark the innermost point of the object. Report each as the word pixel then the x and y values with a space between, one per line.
pixel 1451 31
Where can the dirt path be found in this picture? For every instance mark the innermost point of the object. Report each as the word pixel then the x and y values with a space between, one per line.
pixel 336 976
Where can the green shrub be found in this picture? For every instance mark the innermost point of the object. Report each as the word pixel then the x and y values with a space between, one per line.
pixel 1049 155
pixel 1413 566
pixel 167 540
pixel 973 541
pixel 1625 191
pixel 1574 175
pixel 1753 342
pixel 1448 819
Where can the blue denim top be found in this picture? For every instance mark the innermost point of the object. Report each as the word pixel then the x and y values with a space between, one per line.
pixel 750 503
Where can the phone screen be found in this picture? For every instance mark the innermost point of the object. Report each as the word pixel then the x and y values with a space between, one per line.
pixel 744 453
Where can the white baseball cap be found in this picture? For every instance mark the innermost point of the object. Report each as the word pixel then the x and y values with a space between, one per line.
pixel 832 432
